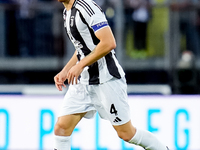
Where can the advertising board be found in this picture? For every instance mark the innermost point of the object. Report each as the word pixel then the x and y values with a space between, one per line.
pixel 27 121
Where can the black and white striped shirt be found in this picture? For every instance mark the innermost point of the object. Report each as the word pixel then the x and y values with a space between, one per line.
pixel 81 22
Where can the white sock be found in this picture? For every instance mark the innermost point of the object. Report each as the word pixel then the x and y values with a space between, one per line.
pixel 147 140
pixel 62 143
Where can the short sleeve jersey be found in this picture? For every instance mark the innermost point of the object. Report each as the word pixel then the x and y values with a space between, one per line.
pixel 81 22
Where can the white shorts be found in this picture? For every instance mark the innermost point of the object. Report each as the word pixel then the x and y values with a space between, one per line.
pixel 109 99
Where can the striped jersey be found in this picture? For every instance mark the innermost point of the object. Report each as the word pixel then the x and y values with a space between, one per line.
pixel 81 22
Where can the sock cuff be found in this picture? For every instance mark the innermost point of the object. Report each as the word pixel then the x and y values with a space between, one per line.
pixel 62 138
pixel 147 140
pixel 135 138
pixel 62 142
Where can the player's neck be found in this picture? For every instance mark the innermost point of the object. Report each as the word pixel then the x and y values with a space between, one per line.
pixel 68 5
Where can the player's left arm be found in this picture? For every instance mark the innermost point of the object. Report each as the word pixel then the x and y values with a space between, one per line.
pixel 106 44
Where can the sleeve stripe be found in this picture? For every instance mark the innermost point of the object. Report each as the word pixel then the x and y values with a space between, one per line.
pixel 87 8
pixel 97 6
pixel 87 5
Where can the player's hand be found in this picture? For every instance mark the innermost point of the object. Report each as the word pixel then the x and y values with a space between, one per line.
pixel 59 80
pixel 73 74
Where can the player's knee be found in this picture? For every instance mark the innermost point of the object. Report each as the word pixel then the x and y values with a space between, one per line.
pixel 57 129
pixel 61 130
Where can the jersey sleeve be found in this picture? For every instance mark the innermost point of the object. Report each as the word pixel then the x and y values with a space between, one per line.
pixel 94 16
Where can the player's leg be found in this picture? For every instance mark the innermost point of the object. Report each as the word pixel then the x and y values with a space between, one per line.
pixel 76 105
pixel 139 137
pixel 125 131
pixel 63 130
pixel 114 100
pixel 66 124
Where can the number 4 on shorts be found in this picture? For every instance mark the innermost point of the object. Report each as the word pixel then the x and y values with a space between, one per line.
pixel 113 109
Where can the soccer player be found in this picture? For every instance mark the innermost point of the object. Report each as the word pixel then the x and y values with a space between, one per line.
pixel 96 79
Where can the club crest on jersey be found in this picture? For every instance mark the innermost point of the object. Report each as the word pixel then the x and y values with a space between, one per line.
pixel 72 21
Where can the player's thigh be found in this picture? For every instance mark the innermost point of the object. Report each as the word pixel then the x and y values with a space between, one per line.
pixel 114 100
pixel 66 124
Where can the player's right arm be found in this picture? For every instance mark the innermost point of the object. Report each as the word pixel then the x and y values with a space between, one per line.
pixel 60 78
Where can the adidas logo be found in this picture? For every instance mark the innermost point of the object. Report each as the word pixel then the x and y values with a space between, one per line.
pixel 117 120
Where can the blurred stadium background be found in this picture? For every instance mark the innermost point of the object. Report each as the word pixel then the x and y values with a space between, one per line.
pixel 163 80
